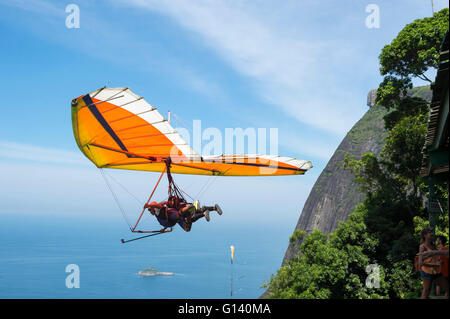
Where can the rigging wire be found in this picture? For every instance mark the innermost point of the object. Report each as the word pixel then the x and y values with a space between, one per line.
pixel 125 189
pixel 208 185
pixel 179 120
pixel 211 180
pixel 115 198
pixel 205 186
pixel 174 189
pixel 129 193
pixel 186 194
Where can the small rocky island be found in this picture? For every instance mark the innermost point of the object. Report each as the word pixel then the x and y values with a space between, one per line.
pixel 151 272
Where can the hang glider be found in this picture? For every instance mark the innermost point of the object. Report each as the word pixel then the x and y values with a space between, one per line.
pixel 115 128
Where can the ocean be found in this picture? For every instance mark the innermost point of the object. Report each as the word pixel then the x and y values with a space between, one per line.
pixel 35 250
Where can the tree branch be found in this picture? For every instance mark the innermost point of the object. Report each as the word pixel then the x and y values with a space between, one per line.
pixel 424 78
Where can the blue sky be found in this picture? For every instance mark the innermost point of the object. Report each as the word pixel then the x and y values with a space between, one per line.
pixel 304 67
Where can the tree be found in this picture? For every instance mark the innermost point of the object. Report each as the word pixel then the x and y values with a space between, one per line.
pixel 392 180
pixel 383 230
pixel 410 55
pixel 416 48
pixel 391 183
pixel 331 266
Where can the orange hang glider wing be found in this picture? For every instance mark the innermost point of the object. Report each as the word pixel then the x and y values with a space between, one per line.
pixel 116 128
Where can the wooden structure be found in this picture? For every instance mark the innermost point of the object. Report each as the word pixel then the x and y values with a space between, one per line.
pixel 436 151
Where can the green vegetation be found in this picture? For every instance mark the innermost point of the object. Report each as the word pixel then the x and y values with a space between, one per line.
pixel 365 129
pixel 384 228
pixel 330 267
pixel 410 55
pixel 297 236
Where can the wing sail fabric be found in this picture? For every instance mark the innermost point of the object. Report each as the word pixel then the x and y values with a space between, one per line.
pixel 116 128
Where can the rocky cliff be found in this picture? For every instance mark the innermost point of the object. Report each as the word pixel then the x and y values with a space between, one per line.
pixel 335 195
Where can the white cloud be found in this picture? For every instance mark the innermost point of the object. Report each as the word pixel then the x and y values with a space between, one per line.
pixel 27 152
pixel 30 187
pixel 104 39
pixel 288 70
pixel 36 6
pixel 307 147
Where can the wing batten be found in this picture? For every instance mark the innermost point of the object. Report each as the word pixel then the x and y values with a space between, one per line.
pixel 132 115
pixel 151 135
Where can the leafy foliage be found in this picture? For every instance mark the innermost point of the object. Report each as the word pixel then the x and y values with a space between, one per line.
pixel 297 236
pixel 384 229
pixel 330 267
pixel 416 48
pixel 394 201
pixel 410 55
